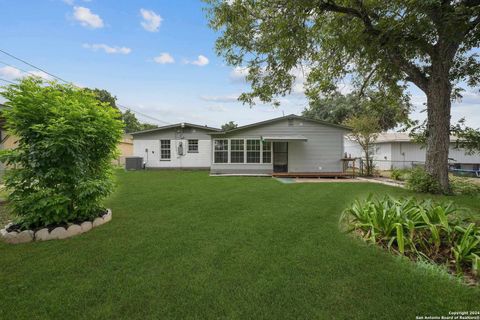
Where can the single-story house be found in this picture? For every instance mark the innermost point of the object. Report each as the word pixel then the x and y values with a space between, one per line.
pixel 396 150
pixel 286 144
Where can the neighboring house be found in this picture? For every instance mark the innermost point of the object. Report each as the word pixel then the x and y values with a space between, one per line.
pixel 287 144
pixel 125 147
pixel 182 146
pixel 398 151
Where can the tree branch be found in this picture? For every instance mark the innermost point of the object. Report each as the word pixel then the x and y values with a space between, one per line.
pixel 412 71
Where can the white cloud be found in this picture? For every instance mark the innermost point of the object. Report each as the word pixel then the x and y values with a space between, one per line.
pixel 164 58
pixel 69 2
pixel 201 61
pixel 151 21
pixel 87 18
pixel 224 99
pixel 217 108
pixel 107 49
pixel 238 74
pixel 12 73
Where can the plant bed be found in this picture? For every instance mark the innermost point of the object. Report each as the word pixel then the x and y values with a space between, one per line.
pixel 419 230
pixel 14 234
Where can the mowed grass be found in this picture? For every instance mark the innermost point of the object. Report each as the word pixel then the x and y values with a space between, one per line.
pixel 183 245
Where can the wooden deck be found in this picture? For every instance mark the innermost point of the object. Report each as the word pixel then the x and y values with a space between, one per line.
pixel 335 175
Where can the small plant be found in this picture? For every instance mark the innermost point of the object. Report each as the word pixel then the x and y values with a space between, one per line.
pixel 421 230
pixel 419 180
pixel 61 169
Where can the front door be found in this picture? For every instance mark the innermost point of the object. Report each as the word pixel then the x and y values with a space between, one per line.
pixel 280 157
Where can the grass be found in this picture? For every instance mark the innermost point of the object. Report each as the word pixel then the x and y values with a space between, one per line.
pixel 183 245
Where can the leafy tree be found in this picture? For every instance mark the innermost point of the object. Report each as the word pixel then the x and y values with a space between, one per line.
pixel 365 130
pixel 386 44
pixel 229 126
pixel 132 124
pixel 61 169
pixel 337 108
pixel 104 96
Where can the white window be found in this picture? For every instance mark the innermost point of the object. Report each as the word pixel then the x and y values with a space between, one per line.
pixel 165 152
pixel 267 152
pixel 237 151
pixel 253 151
pixel 220 151
pixel 192 146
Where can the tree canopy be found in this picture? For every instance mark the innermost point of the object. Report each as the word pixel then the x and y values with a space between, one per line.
pixel 337 108
pixel 229 126
pixel 132 124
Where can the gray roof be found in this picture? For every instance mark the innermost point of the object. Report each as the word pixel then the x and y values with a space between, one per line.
pixel 290 116
pixel 170 126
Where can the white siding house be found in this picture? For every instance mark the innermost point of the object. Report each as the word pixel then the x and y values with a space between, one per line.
pixel 181 146
pixel 289 144
pixel 397 151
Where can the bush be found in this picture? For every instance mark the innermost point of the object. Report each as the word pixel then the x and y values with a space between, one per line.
pixel 420 180
pixel 462 186
pixel 399 174
pixel 417 229
pixel 61 169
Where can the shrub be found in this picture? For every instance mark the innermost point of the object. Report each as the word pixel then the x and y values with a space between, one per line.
pixel 417 229
pixel 420 180
pixel 399 174
pixel 61 169
pixel 462 186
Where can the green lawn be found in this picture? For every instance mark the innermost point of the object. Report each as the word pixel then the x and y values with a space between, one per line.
pixel 183 245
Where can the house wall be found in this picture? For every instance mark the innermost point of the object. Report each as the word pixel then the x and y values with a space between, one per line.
pixel 320 153
pixel 151 141
pixel 125 148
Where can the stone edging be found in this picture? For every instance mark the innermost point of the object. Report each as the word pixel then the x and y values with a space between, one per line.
pixel 57 233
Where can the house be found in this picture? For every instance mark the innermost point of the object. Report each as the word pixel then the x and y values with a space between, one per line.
pixel 125 148
pixel 396 150
pixel 290 144
pixel 176 146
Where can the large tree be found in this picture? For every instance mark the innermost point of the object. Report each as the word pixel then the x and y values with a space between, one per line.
pixel 337 108
pixel 383 43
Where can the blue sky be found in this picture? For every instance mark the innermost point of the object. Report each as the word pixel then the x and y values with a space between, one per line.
pixel 155 56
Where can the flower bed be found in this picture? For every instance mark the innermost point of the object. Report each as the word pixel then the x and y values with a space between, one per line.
pixel 53 233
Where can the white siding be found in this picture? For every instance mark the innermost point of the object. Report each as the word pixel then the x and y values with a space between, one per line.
pixel 202 159
pixel 151 141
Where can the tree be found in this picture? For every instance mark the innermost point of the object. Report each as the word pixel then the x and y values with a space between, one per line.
pixel 132 124
pixel 61 169
pixel 365 130
pixel 229 126
pixel 104 96
pixel 387 44
pixel 337 108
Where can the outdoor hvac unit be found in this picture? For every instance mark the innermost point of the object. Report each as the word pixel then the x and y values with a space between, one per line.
pixel 134 163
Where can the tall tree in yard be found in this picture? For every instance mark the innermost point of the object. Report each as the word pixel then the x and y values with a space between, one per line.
pixel 384 44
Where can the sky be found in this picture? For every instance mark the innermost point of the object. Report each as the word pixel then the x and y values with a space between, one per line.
pixel 155 56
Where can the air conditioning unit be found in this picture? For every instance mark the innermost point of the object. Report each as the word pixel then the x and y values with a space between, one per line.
pixel 134 163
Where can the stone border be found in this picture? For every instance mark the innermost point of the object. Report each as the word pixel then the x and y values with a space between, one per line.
pixel 57 233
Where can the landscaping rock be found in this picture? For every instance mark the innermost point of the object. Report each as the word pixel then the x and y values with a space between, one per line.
pixel 74 230
pixel 43 235
pixel 3 232
pixel 25 236
pixel 86 226
pixel 59 233
pixel 11 237
pixel 108 216
pixel 98 222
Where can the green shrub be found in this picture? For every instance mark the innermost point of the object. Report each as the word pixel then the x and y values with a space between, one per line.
pixel 61 169
pixel 399 174
pixel 462 186
pixel 420 180
pixel 417 229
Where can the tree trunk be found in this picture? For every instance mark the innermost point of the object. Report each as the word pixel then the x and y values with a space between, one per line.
pixel 438 128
